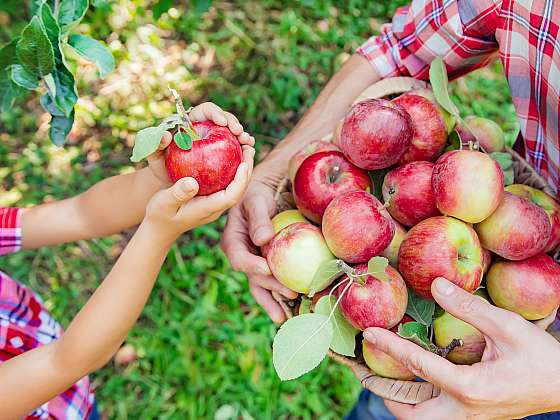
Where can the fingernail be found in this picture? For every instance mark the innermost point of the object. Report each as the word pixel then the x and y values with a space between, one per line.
pixel 188 185
pixel 444 287
pixel 370 336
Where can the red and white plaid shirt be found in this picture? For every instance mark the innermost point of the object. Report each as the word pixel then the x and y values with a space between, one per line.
pixel 468 34
pixel 25 324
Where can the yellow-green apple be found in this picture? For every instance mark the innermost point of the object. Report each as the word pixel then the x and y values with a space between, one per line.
pixel 375 134
pixel 322 177
pixel 280 221
pixel 487 132
pixel 294 255
pixel 307 150
pixel 376 302
pixel 357 227
pixel 407 192
pixel 447 327
pixel 429 129
pixel 547 203
pixel 384 365
pixel 429 94
pixel 441 247
pixel 392 251
pixel 530 287
pixel 212 160
pixel 486 260
pixel 518 229
pixel 467 185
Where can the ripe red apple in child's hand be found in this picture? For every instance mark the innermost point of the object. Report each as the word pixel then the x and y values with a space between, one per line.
pixel 375 134
pixel 295 254
pixel 547 203
pixel 429 130
pixel 407 192
pixel 357 227
pixel 518 229
pixel 530 287
pixel 467 185
pixel 376 303
pixel 322 177
pixel 309 149
pixel 212 160
pixel 441 247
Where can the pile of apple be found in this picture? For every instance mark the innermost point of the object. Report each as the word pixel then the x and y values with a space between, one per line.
pixel 441 212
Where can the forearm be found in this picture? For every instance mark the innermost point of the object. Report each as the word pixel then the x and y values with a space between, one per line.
pixel 329 108
pixel 93 336
pixel 108 207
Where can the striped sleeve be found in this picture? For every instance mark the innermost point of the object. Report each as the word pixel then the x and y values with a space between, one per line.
pixel 10 230
pixel 461 32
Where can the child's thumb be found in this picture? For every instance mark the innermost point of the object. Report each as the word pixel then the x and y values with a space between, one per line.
pixel 182 191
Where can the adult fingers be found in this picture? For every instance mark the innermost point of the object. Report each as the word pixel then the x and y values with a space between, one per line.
pixel 264 298
pixel 208 111
pixel 490 320
pixel 428 366
pixel 270 283
pixel 257 210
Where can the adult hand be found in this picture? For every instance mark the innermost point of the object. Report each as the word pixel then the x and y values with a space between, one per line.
pixel 519 374
pixel 249 227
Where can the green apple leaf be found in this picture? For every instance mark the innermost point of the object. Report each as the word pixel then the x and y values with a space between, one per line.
pixel 454 141
pixel 344 334
pixel 93 51
pixel 420 309
pixel 377 267
pixel 439 82
pixel 23 78
pixel 301 344
pixel 34 49
pixel 417 333
pixel 183 140
pixel 70 13
pixel 325 275
pixel 147 141
pixel 60 124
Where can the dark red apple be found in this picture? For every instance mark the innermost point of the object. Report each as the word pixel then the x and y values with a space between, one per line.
pixel 307 150
pixel 212 160
pixel 375 134
pixel 357 227
pixel 429 129
pixel 407 192
pixel 323 176
pixel 441 247
pixel 376 303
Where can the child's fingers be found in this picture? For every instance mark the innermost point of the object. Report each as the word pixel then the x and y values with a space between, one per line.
pixel 165 140
pixel 209 111
pixel 247 139
pixel 233 123
pixel 249 157
pixel 179 193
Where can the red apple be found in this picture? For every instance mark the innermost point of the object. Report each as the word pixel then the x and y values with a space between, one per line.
pixel 375 134
pixel 530 287
pixel 429 130
pixel 441 247
pixel 307 150
pixel 518 229
pixel 212 160
pixel 467 185
pixel 357 227
pixel 429 94
pixel 324 176
pixel 392 251
pixel 407 192
pixel 547 203
pixel 489 134
pixel 376 303
pixel 295 254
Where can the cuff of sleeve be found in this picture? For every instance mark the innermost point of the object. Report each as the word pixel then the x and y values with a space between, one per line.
pixel 10 230
pixel 379 56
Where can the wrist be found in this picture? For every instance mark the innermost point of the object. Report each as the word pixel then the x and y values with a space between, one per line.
pixel 161 237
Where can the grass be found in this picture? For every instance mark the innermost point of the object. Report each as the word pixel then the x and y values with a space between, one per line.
pixel 204 345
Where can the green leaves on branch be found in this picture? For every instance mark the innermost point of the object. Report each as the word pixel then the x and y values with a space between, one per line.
pixel 146 142
pixel 439 82
pixel 377 266
pixel 420 309
pixel 35 60
pixel 344 334
pixel 326 273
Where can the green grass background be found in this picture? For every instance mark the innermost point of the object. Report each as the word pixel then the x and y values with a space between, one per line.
pixel 204 345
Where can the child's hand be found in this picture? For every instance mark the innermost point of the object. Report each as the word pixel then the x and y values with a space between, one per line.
pixel 174 210
pixel 203 112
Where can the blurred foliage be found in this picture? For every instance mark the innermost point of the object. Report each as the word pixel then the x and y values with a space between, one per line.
pixel 204 345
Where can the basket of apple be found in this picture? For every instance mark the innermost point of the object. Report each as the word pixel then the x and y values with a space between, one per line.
pixel 403 192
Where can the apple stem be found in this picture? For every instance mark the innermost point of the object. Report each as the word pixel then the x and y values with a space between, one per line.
pixel 341 295
pixel 186 122
pixel 334 174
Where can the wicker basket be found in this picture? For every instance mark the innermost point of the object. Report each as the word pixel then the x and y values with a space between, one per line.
pixel 411 392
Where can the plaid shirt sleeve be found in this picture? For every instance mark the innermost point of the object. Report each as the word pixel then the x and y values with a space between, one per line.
pixel 461 32
pixel 10 230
